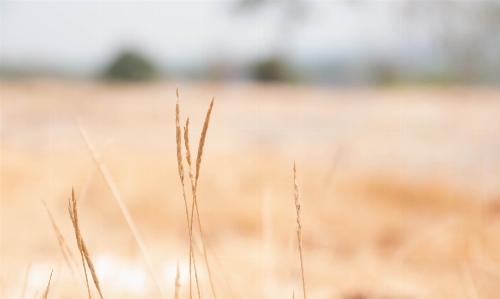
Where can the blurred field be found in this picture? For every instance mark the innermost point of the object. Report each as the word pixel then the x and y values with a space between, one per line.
pixel 399 189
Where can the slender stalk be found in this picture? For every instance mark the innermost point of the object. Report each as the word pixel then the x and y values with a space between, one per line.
pixel 69 258
pixel 73 214
pixel 177 281
pixel 299 226
pixel 25 281
pixel 121 204
pixel 74 220
pixel 48 286
pixel 194 183
pixel 178 139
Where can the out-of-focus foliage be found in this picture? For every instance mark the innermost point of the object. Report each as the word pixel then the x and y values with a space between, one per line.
pixel 272 69
pixel 130 65
pixel 463 45
pixel 468 35
pixel 249 4
pixel 276 67
pixel 293 10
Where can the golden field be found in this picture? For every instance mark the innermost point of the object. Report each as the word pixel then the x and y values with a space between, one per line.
pixel 399 189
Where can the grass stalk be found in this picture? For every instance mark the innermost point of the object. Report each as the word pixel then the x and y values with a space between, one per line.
pixel 331 171
pixel 25 281
pixel 177 281
pixel 68 256
pixel 194 184
pixel 73 213
pixel 202 140
pixel 178 139
pixel 299 226
pixel 121 204
pixel 48 286
pixel 74 219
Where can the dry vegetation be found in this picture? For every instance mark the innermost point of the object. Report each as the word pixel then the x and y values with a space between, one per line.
pixel 399 193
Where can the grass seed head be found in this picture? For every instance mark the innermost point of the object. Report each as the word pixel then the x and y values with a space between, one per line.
pixel 202 139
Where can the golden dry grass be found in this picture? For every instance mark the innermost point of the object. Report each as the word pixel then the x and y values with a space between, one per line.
pixel 408 209
pixel 192 259
pixel 73 214
pixel 299 227
pixel 46 293
pixel 177 281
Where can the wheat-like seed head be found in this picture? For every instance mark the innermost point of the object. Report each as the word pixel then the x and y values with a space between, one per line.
pixel 192 260
pixel 299 225
pixel 178 138
pixel 91 267
pixel 73 213
pixel 188 154
pixel 194 206
pixel 202 139
pixel 296 196
pixel 69 258
pixel 186 142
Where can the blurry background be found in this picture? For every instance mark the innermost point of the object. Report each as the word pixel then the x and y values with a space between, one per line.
pixel 389 108
pixel 328 42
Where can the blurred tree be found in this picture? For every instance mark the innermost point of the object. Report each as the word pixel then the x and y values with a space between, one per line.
pixel 276 68
pixel 130 65
pixel 467 33
pixel 272 69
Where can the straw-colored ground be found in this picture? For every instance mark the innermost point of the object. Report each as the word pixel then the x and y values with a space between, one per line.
pixel 399 189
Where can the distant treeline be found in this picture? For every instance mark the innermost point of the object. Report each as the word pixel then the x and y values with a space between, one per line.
pixel 133 65
pixel 427 69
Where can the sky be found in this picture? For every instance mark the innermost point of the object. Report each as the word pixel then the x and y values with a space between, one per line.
pixel 83 36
